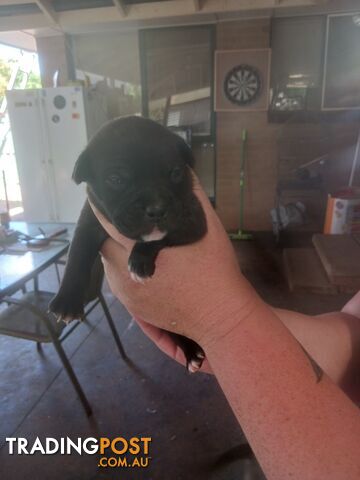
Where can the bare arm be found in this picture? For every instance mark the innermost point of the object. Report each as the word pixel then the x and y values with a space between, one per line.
pixel 299 428
pixel 333 341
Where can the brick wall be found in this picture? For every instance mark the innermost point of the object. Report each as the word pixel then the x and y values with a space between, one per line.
pixel 261 154
pixel 269 144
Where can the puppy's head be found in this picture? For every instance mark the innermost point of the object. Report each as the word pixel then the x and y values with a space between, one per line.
pixel 137 172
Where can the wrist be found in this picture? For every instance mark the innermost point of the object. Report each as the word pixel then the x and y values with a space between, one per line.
pixel 221 313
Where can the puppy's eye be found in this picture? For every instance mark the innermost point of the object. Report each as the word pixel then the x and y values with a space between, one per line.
pixel 114 180
pixel 177 174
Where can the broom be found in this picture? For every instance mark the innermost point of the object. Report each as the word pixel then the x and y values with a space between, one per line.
pixel 241 234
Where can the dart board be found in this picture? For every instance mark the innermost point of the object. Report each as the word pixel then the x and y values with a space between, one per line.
pixel 242 84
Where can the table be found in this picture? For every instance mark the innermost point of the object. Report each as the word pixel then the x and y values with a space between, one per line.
pixel 16 270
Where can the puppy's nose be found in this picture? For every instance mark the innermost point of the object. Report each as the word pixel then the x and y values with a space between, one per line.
pixel 155 212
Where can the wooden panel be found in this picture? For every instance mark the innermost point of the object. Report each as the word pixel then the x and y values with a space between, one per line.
pixel 243 34
pixel 356 237
pixel 340 256
pixel 304 272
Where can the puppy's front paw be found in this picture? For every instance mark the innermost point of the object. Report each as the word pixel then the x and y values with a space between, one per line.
pixel 194 354
pixel 140 267
pixel 195 361
pixel 67 307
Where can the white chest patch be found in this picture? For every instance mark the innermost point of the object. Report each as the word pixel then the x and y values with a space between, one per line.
pixel 156 234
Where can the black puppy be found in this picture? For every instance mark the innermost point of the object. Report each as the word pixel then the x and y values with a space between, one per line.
pixel 137 174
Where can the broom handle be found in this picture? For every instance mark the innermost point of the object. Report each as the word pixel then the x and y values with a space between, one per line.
pixel 242 176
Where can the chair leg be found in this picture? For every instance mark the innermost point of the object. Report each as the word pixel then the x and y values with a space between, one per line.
pixel 57 273
pixel 112 327
pixel 72 376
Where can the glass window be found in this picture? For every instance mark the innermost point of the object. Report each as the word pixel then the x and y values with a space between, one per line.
pixel 177 89
pixel 111 61
pixel 342 71
pixel 178 77
pixel 296 69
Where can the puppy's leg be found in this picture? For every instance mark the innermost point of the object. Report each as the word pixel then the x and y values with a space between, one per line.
pixel 142 258
pixel 191 226
pixel 194 354
pixel 89 235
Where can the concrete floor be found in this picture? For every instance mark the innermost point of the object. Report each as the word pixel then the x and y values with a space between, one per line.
pixel 187 416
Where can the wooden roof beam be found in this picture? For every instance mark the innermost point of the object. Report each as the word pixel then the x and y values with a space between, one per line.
pixel 70 19
pixel 47 9
pixel 119 4
pixel 15 2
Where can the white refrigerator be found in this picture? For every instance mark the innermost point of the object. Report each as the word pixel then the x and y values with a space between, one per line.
pixel 50 128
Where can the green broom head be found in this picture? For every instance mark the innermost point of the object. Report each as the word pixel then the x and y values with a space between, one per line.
pixel 240 235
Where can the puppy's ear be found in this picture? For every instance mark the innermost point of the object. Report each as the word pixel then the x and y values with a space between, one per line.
pixel 81 170
pixel 186 153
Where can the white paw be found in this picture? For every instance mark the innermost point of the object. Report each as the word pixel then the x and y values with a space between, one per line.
pixel 194 366
pixel 136 278
pixel 200 355
pixel 197 362
pixel 67 319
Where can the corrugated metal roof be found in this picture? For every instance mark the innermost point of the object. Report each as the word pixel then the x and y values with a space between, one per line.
pixel 63 5
pixel 20 9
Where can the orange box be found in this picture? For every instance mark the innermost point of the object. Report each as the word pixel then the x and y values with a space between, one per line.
pixel 343 212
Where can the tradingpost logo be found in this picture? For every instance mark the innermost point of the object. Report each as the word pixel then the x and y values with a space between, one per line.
pixel 118 452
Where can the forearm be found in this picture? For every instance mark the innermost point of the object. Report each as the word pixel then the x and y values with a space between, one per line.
pixel 328 338
pixel 298 428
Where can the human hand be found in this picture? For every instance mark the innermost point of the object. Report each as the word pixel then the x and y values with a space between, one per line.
pixel 193 288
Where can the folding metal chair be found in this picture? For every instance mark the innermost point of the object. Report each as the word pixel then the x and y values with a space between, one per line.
pixel 28 318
